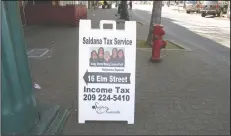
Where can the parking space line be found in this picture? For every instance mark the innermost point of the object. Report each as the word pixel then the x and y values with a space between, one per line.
pixel 44 53
pixel 30 51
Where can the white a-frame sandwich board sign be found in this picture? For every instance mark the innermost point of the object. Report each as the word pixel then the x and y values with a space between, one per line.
pixel 106 88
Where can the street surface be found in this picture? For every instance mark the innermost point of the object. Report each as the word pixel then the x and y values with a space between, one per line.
pixel 207 34
pixel 188 93
pixel 217 29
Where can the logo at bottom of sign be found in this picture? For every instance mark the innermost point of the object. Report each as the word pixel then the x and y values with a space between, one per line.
pixel 100 109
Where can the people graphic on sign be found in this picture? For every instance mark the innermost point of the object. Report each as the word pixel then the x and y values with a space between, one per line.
pixel 104 59
pixel 101 55
pixel 107 57
pixel 94 56
pixel 114 57
pixel 121 56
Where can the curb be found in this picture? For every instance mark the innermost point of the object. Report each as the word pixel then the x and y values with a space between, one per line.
pixel 139 22
pixel 180 45
pixel 150 49
pixel 182 48
pixel 123 21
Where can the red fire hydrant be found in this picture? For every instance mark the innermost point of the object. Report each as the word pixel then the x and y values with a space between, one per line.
pixel 157 42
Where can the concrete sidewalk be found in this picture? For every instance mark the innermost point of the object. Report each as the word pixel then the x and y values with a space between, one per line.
pixel 181 95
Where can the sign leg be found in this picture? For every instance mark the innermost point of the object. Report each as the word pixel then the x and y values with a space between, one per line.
pixel 81 121
pixel 130 121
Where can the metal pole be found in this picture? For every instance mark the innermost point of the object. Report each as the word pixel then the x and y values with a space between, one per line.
pixel 19 110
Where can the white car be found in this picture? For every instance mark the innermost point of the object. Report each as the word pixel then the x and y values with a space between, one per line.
pixel 191 6
pixel 228 12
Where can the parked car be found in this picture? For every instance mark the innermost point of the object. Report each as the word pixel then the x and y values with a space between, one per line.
pixel 172 3
pixel 214 8
pixel 228 12
pixel 180 4
pixel 191 6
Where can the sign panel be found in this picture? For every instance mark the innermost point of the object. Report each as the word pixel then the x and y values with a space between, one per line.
pixel 106 90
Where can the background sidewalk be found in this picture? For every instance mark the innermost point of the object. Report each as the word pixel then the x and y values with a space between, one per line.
pixel 184 94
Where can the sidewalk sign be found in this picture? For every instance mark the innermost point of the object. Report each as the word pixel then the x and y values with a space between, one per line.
pixel 106 89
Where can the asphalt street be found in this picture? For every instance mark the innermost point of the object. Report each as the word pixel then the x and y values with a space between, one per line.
pixel 214 28
pixel 183 35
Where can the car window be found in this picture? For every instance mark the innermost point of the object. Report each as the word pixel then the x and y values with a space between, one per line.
pixel 191 2
pixel 210 2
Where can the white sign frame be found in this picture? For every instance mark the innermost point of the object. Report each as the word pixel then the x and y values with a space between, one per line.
pixel 118 106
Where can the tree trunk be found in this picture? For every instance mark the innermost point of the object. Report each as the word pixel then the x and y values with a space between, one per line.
pixel 157 12
pixel 122 14
pixel 155 19
pixel 149 39
pixel 124 11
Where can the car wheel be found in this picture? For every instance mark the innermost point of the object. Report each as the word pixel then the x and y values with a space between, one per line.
pixel 188 12
pixel 203 14
pixel 214 14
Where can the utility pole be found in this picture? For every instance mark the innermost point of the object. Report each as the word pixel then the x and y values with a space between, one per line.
pixel 155 19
